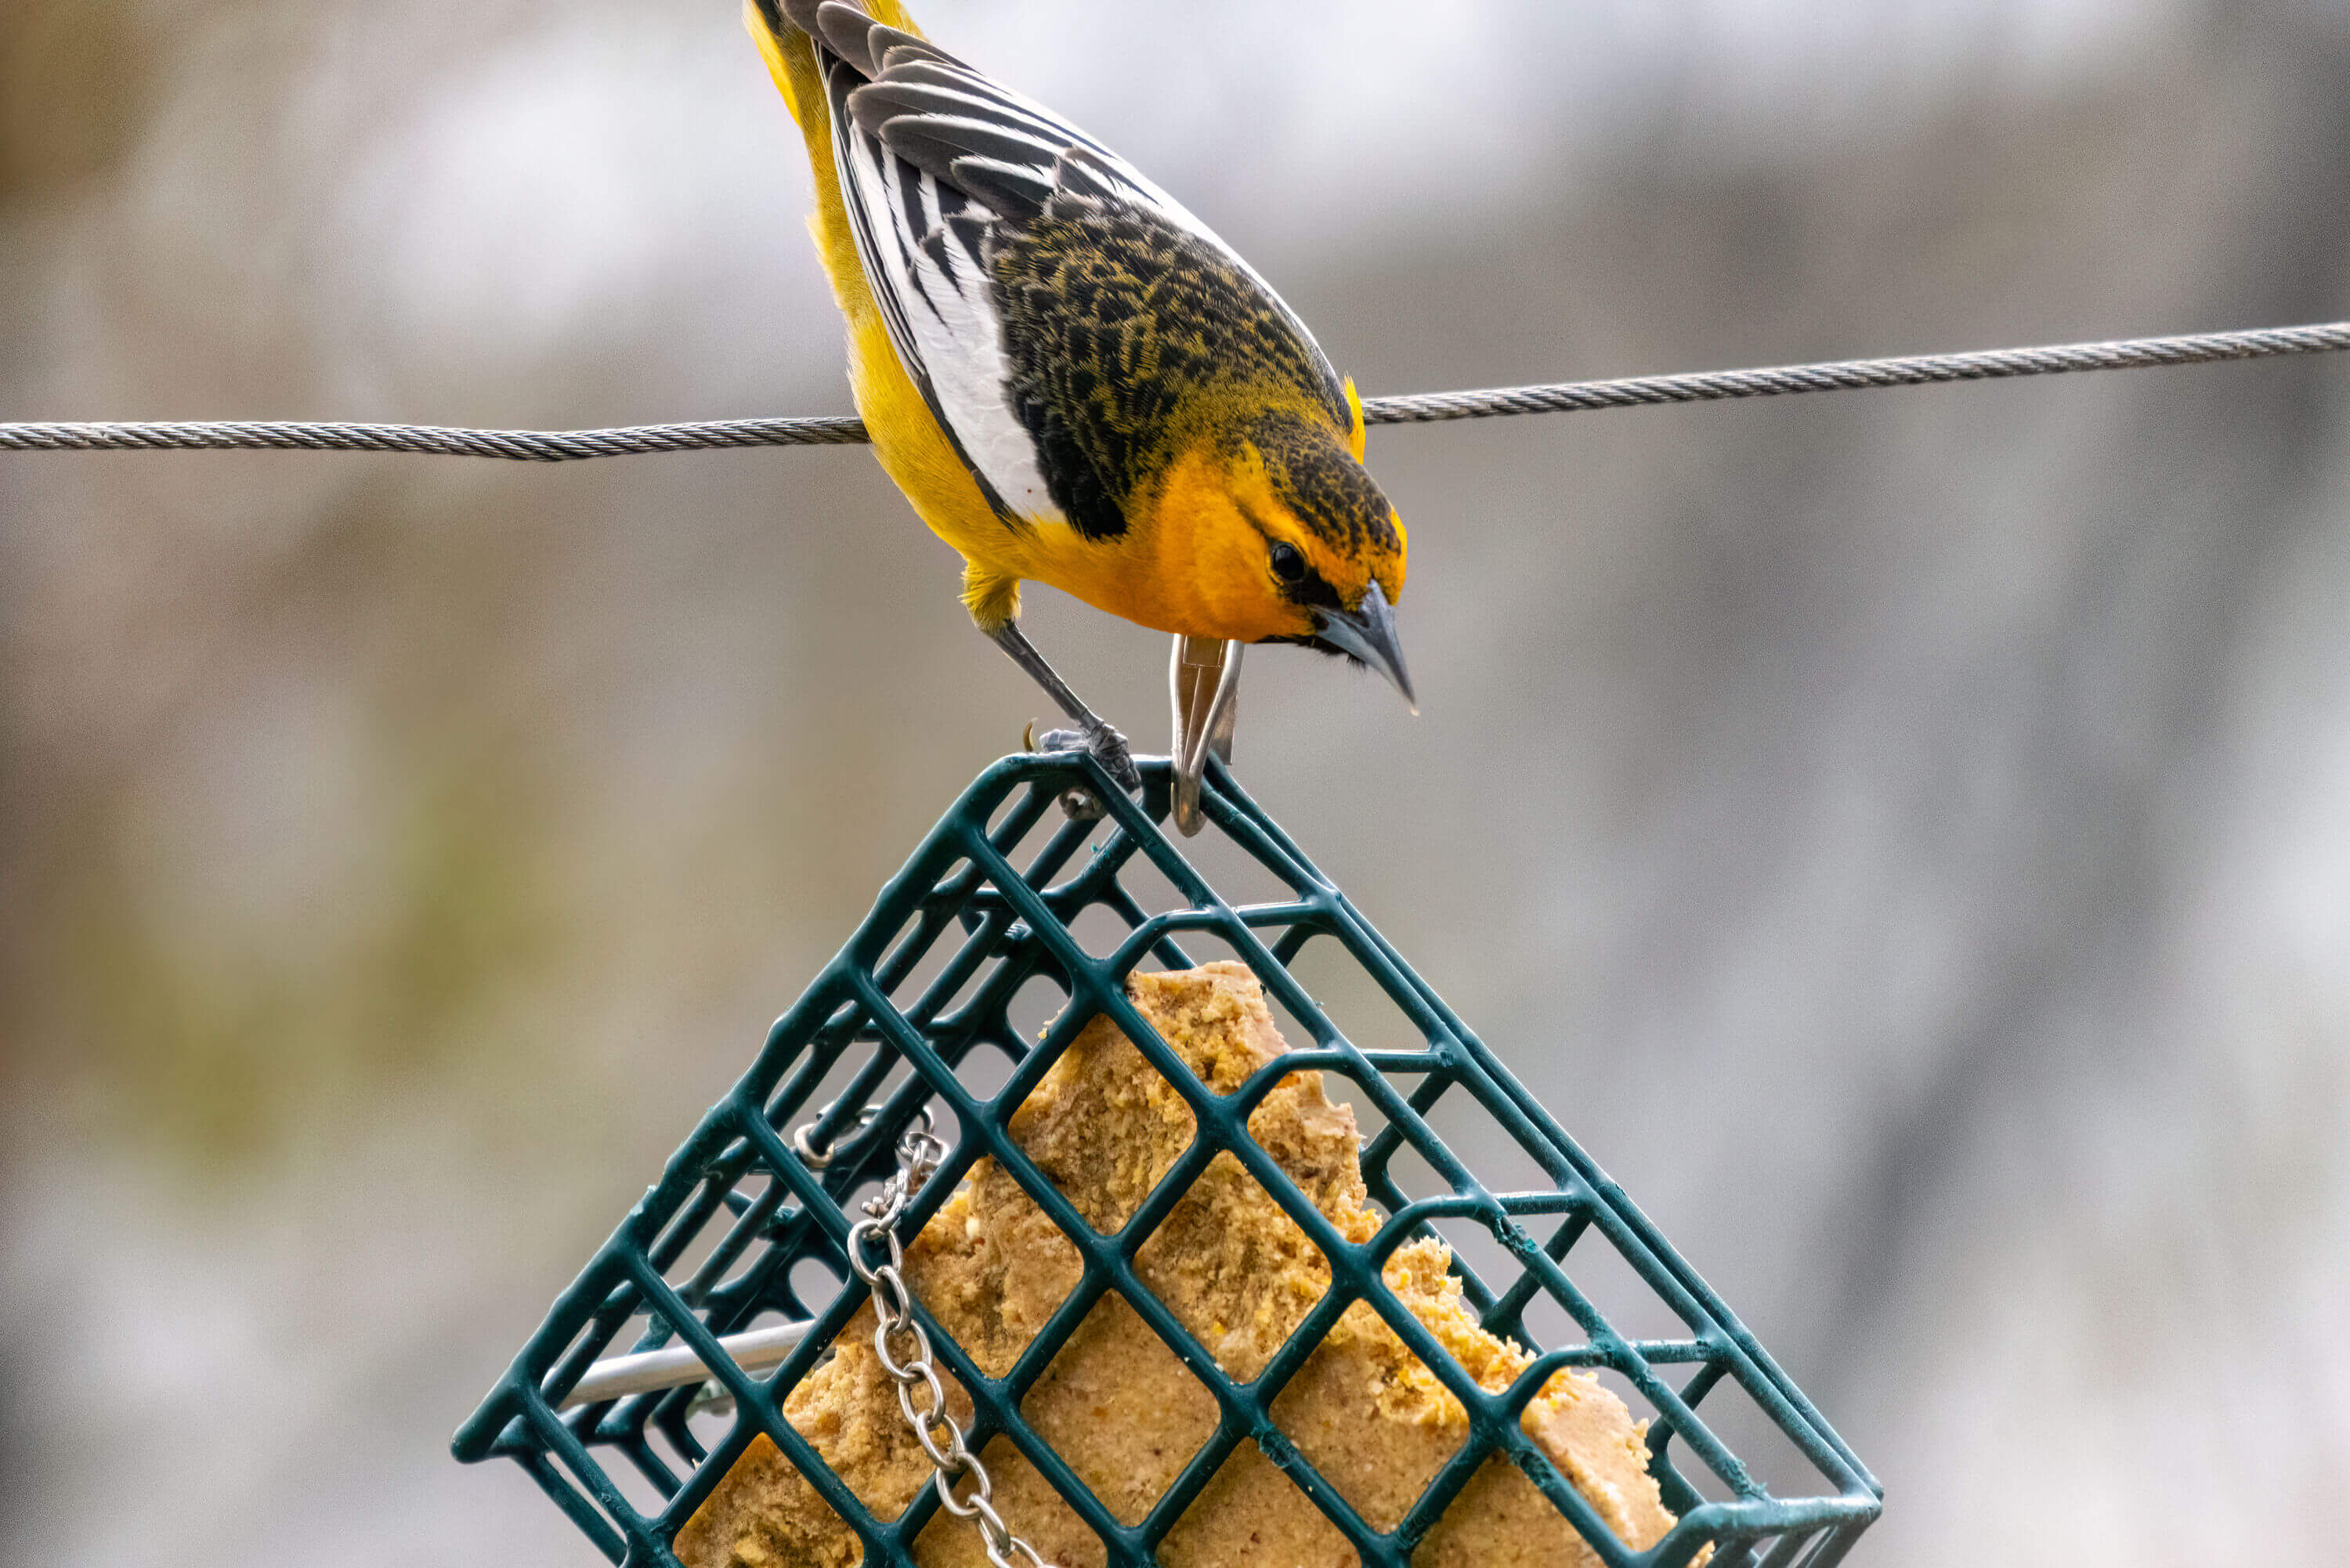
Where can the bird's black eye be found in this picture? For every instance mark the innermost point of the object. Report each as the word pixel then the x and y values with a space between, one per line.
pixel 1288 564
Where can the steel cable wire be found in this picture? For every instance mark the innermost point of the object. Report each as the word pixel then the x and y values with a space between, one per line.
pixel 1417 408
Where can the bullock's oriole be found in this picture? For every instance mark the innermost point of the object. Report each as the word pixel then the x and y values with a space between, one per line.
pixel 1070 377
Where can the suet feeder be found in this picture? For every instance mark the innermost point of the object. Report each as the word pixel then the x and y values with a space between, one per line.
pixel 1007 932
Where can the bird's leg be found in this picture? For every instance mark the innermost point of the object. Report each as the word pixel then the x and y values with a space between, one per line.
pixel 1091 734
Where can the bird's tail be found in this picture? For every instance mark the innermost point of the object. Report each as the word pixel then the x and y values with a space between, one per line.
pixel 788 34
pixel 782 29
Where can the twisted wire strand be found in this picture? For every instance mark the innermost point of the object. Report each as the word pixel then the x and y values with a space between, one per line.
pixel 1852 375
pixel 432 440
pixel 1417 408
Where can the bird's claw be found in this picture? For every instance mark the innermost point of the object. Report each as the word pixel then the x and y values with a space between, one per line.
pixel 1106 746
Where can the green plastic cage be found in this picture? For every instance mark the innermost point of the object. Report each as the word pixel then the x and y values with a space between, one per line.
pixel 1006 916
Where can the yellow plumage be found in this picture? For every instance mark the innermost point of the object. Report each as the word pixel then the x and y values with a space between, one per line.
pixel 914 451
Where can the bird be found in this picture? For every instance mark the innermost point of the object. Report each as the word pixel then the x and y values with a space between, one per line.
pixel 1071 378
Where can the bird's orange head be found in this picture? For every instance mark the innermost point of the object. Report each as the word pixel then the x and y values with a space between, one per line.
pixel 1283 536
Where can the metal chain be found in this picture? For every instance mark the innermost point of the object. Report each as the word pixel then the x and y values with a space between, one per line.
pixel 1416 408
pixel 921 1397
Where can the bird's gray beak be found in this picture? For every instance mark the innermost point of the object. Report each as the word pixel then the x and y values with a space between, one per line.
pixel 1368 633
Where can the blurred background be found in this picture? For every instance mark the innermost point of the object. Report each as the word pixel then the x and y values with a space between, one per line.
pixel 1905 835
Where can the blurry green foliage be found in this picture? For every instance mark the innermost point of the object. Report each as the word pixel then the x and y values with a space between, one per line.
pixel 219 1045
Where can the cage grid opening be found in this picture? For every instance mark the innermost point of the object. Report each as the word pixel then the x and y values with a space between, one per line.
pixel 1009 931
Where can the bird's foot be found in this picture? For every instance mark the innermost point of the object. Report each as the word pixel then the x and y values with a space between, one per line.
pixel 1106 746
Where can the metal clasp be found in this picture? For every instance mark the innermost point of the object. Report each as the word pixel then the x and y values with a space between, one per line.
pixel 1203 678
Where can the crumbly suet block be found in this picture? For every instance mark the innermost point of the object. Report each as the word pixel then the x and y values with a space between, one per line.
pixel 1117 1404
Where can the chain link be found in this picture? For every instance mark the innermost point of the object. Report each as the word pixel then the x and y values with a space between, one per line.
pixel 878 1255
